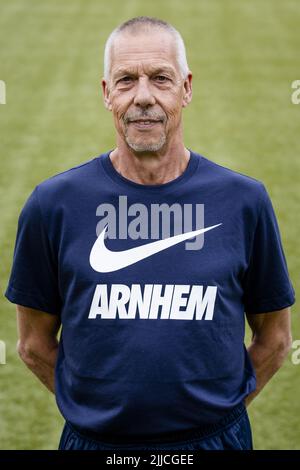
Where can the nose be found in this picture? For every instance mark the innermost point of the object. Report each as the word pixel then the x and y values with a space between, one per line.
pixel 143 96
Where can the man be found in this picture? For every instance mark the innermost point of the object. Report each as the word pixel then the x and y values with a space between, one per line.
pixel 149 256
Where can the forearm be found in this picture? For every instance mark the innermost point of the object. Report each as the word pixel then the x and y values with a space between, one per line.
pixel 266 359
pixel 41 361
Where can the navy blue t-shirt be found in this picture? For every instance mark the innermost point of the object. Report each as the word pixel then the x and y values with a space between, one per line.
pixel 152 336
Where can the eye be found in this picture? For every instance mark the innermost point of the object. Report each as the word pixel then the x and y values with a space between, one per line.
pixel 161 78
pixel 126 79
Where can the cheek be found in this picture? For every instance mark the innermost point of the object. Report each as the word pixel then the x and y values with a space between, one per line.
pixel 172 104
pixel 120 104
pixel 173 111
pixel 118 113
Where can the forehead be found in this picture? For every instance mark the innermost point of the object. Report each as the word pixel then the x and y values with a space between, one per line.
pixel 144 50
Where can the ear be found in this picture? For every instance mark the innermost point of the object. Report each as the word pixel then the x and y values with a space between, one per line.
pixel 187 95
pixel 106 94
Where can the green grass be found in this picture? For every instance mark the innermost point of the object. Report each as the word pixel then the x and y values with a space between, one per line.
pixel 244 56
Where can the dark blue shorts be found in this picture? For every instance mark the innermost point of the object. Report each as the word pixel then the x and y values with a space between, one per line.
pixel 232 433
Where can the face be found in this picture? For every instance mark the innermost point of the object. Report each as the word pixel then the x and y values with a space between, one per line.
pixel 146 92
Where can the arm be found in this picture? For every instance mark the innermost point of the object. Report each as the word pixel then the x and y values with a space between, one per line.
pixel 271 342
pixel 38 344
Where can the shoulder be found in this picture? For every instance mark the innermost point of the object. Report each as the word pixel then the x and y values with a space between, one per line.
pixel 230 176
pixel 67 178
pixel 53 192
pixel 67 186
pixel 232 182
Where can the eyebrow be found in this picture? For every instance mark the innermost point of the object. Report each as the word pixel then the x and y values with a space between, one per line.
pixel 131 71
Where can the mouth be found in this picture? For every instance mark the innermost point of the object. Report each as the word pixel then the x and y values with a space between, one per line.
pixel 145 123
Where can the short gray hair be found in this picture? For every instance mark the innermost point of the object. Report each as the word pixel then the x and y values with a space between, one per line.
pixel 146 22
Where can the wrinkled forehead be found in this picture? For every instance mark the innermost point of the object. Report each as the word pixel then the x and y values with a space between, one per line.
pixel 144 51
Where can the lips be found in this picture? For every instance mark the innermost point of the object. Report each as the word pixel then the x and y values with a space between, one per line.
pixel 145 121
pixel 144 124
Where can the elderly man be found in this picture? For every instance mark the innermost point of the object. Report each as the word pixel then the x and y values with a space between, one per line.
pixel 150 257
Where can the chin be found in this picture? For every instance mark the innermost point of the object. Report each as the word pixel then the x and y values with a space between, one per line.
pixel 145 148
pixel 142 146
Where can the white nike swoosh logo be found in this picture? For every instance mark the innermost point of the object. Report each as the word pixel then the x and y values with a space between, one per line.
pixel 104 260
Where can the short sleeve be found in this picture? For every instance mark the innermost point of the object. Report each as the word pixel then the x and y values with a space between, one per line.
pixel 33 280
pixel 267 286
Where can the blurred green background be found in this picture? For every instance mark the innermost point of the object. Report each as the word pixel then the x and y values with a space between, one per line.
pixel 244 56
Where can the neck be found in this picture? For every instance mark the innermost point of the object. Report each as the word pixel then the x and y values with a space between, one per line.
pixel 150 167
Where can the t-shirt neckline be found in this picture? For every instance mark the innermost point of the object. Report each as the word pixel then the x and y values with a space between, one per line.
pixel 150 188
